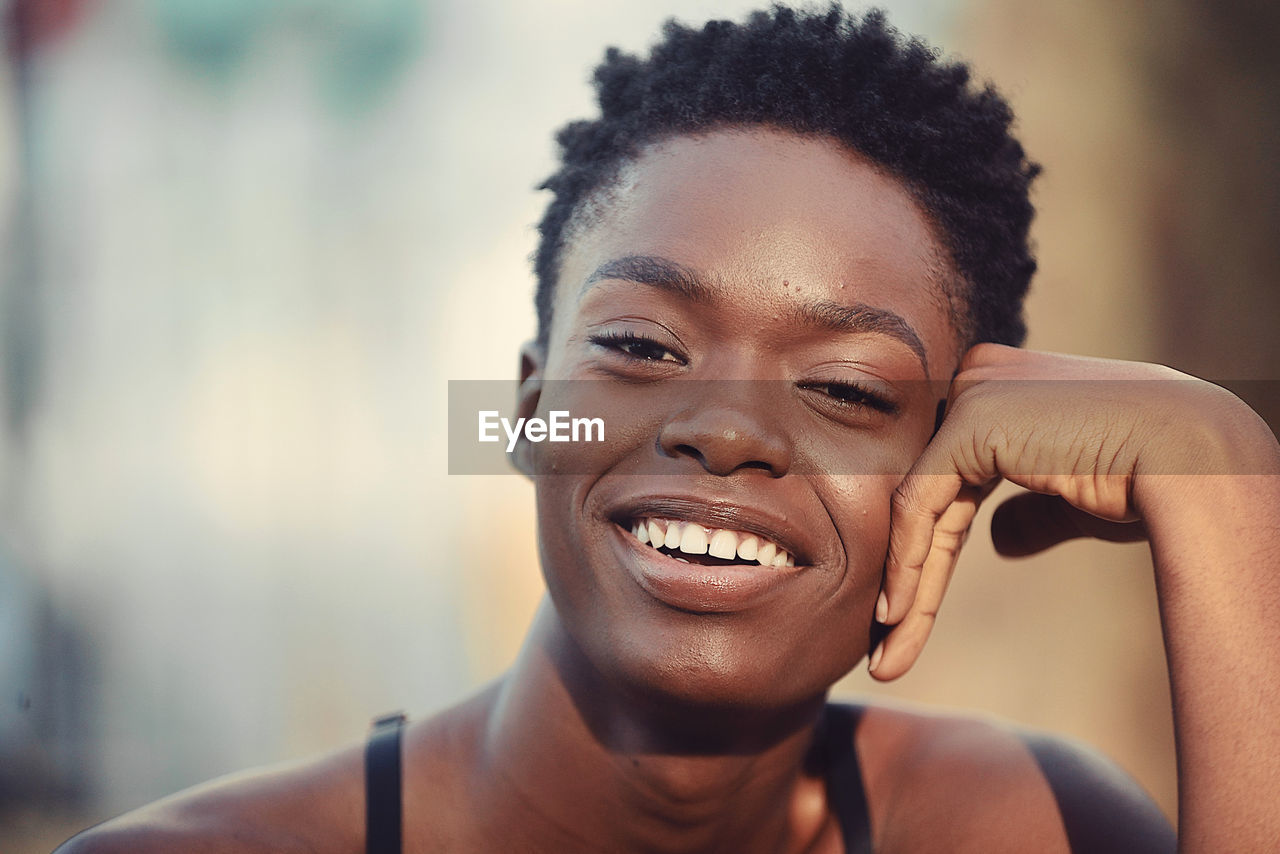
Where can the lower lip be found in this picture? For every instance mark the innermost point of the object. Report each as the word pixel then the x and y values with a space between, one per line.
pixel 697 588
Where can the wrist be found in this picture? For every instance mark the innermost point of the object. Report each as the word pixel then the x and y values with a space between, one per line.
pixel 1215 473
pixel 1215 455
pixel 1209 431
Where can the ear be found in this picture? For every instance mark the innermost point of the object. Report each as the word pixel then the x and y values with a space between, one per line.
pixel 532 362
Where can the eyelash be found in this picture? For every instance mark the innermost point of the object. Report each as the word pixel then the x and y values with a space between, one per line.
pixel 622 341
pixel 842 394
pixel 853 395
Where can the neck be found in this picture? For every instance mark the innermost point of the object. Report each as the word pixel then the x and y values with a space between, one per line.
pixel 580 764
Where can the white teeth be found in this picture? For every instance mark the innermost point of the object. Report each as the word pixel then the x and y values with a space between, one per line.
pixel 694 540
pixel 682 560
pixel 724 544
pixel 765 554
pixel 656 535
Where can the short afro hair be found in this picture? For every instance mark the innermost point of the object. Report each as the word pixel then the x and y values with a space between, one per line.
pixel 855 80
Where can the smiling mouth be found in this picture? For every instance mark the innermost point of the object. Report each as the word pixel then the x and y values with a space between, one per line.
pixel 694 543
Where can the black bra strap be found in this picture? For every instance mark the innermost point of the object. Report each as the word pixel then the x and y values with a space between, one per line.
pixel 1101 815
pixel 844 778
pixel 382 786
pixel 383 783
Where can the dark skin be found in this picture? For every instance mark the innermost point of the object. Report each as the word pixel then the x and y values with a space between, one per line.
pixel 654 711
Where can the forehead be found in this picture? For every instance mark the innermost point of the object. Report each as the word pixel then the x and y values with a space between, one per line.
pixel 756 210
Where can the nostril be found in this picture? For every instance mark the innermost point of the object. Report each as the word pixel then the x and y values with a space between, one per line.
pixel 715 464
pixel 689 450
pixel 724 439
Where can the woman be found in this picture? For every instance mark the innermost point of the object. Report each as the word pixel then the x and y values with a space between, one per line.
pixel 825 228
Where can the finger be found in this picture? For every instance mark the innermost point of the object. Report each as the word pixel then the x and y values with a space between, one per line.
pixel 1032 522
pixel 918 505
pixel 954 459
pixel 902 646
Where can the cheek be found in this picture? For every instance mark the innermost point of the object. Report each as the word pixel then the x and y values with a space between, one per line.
pixel 606 423
pixel 860 505
pixel 567 472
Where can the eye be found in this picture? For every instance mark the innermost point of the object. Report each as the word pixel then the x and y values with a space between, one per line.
pixel 853 396
pixel 634 346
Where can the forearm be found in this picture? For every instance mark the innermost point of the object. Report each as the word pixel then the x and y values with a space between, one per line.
pixel 1215 540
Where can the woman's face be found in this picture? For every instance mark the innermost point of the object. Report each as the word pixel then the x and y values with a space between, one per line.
pixel 759 318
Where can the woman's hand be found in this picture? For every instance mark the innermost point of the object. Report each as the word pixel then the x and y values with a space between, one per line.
pixel 1122 450
pixel 1079 433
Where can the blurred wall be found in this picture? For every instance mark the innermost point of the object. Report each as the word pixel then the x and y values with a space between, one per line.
pixel 248 244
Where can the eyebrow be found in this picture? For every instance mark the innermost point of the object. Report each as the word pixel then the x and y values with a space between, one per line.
pixel 682 281
pixel 861 318
pixel 654 271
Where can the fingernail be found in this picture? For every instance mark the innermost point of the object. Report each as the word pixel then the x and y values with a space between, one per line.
pixel 882 608
pixel 875 657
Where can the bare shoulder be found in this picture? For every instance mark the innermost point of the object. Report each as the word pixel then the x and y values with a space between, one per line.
pixel 315 805
pixel 990 786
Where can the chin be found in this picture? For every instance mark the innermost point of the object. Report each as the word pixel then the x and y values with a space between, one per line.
pixel 711 663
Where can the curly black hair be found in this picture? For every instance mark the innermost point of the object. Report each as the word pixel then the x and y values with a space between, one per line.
pixel 855 80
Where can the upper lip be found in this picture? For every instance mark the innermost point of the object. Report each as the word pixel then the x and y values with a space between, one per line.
pixel 718 513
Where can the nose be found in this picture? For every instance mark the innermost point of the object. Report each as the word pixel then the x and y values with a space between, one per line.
pixel 728 426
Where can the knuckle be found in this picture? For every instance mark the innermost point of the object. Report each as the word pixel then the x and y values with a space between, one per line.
pixel 902 573
pixel 901 500
pixel 949 549
pixel 983 354
pixel 907 502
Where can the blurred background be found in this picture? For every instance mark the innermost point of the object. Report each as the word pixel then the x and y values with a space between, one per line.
pixel 247 244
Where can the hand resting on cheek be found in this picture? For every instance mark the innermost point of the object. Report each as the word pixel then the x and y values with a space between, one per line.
pixel 1120 451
